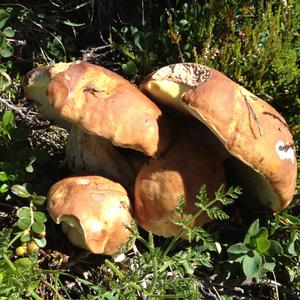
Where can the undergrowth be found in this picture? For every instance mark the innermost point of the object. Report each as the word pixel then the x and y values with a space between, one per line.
pixel 256 44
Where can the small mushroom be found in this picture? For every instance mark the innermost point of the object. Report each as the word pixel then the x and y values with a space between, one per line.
pixel 95 213
pixel 262 150
pixel 102 103
pixel 180 171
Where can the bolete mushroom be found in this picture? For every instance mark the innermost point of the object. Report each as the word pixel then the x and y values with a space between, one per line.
pixel 263 159
pixel 95 213
pixel 35 88
pixel 180 171
pixel 102 103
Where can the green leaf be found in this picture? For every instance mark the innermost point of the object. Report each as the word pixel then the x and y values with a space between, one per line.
pixel 25 238
pixel 23 223
pixel 262 232
pixel 8 32
pixel 24 212
pixel 252 265
pixel 7 51
pixel 252 231
pixel 269 264
pixel 38 227
pixel 262 245
pixel 129 68
pixel 38 200
pixel 217 214
pixel 238 249
pixel 4 16
pixel 39 216
pixel 4 188
pixel 20 191
pixel 291 245
pixel 3 69
pixel 29 167
pixel 8 120
pixel 40 242
pixel 3 176
pixel 23 263
pixel 275 248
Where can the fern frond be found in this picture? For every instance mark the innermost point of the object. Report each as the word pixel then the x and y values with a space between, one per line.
pixel 217 214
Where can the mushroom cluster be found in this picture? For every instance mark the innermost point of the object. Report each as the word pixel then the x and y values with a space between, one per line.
pixel 139 156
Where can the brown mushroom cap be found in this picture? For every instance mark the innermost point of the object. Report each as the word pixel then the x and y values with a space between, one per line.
pixel 94 211
pixel 94 155
pixel 181 170
pixel 103 103
pixel 249 128
pixel 35 88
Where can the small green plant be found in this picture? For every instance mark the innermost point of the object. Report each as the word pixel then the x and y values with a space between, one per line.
pixel 257 253
pixel 6 50
pixel 164 272
pixel 6 125
pixel 31 222
pixel 18 278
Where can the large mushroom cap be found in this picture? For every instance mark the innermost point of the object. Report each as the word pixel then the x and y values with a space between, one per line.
pixel 95 213
pixel 180 171
pixel 249 128
pixel 103 103
pixel 35 88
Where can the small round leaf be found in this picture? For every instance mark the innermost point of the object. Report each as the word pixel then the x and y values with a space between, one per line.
pixel 252 265
pixel 39 216
pixel 24 212
pixel 129 68
pixel 38 200
pixel 23 223
pixel 262 245
pixel 7 51
pixel 8 119
pixel 20 191
pixel 4 16
pixel 238 248
pixel 3 188
pixel 269 264
pixel 38 227
pixel 275 248
pixel 24 263
pixel 25 238
pixel 8 32
pixel 40 242
pixel 3 176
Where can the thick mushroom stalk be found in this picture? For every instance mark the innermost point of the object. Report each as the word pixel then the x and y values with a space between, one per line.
pixel 102 103
pixel 180 171
pixel 95 213
pixel 254 133
pixel 94 155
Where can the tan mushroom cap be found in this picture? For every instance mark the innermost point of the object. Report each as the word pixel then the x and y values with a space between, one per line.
pixel 180 171
pixel 94 155
pixel 103 103
pixel 250 129
pixel 94 212
pixel 35 88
